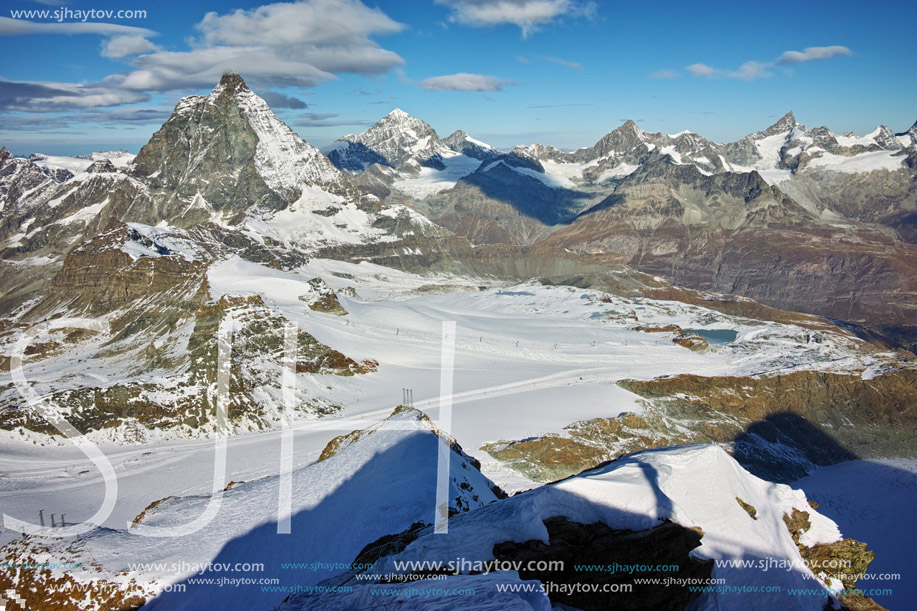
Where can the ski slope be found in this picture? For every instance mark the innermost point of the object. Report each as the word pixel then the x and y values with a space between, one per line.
pixel 529 360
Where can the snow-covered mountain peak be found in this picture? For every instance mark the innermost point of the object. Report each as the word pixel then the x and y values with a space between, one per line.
pixel 396 139
pixel 399 115
pixel 101 166
pixel 402 121
pixel 786 123
pixel 460 142
pixel 627 140
pixel 631 126
pixel 885 138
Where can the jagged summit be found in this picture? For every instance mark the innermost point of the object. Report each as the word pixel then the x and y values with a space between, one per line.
pixel 627 139
pixel 630 124
pixel 460 142
pixel 785 124
pixel 231 82
pixel 399 114
pixel 101 166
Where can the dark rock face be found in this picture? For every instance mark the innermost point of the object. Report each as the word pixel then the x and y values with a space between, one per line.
pixel 207 148
pixel 786 123
pixel 101 277
pixel 734 233
pixel 17 176
pixel 628 139
pixel 597 544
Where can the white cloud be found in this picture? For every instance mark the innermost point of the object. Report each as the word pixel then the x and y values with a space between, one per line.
pixel 22 27
pixel 463 82
pixel 664 74
pixel 751 71
pixel 312 119
pixel 275 99
pixel 33 96
pixel 297 44
pixel 167 71
pixel 812 53
pixel 702 70
pixel 528 15
pixel 122 46
pixel 313 22
pixel 280 44
pixel 563 62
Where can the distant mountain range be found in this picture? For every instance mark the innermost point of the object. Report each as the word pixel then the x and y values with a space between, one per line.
pixel 797 218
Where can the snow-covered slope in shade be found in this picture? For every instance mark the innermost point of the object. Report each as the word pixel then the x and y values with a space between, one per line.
pixel 871 501
pixel 471 592
pixel 379 481
pixel 908 138
pixel 554 175
pixel 694 486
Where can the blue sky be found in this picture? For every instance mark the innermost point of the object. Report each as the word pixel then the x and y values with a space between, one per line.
pixel 560 72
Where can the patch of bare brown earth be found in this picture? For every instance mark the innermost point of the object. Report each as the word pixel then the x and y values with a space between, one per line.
pixel 779 426
pixel 42 590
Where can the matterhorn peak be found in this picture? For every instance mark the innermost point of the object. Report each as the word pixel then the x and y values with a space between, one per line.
pixel 236 151
pixel 231 83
